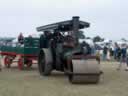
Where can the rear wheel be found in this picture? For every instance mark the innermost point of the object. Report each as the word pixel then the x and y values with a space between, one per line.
pixel 28 63
pixel 21 64
pixel 7 61
pixel 45 67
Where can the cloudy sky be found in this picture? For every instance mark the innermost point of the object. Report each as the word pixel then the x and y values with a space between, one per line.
pixel 108 18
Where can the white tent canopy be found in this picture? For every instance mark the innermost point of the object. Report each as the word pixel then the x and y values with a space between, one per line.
pixel 89 41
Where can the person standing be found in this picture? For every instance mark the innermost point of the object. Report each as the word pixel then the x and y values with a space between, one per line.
pixel 111 53
pixel 123 56
pixel 0 63
pixel 118 54
pixel 108 55
pixel 21 39
pixel 116 47
pixel 105 49
pixel 30 40
pixel 45 39
pixel 127 62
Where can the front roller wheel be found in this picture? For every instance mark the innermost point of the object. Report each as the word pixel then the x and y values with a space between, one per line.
pixel 84 71
pixel 45 67
pixel 84 78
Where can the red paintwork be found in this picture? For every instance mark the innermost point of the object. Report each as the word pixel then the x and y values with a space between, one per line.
pixel 8 53
pixel 20 61
pixel 12 53
pixel 20 64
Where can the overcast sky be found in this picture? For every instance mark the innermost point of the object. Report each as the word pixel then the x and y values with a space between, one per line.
pixel 108 18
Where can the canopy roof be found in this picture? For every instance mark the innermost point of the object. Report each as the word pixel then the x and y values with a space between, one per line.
pixel 63 26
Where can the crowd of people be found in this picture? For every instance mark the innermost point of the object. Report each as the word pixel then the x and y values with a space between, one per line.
pixel 118 53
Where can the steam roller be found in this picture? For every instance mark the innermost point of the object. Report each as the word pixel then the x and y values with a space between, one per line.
pixel 61 50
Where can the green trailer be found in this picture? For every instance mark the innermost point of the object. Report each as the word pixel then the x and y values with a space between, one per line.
pixel 25 53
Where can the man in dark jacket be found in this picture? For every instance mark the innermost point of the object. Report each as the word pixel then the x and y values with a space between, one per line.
pixel 123 56
pixel 86 48
pixel 45 39
pixel 105 50
pixel 21 38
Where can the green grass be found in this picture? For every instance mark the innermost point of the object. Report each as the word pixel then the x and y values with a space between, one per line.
pixel 29 83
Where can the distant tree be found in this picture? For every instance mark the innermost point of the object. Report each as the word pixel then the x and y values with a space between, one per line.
pixel 88 37
pixel 98 39
pixel 81 35
pixel 123 39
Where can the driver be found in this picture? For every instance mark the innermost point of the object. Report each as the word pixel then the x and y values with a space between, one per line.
pixel 68 47
pixel 56 45
pixel 45 39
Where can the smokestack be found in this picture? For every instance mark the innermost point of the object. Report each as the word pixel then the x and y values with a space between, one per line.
pixel 75 21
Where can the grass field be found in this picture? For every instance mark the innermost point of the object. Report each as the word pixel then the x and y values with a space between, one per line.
pixel 29 83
